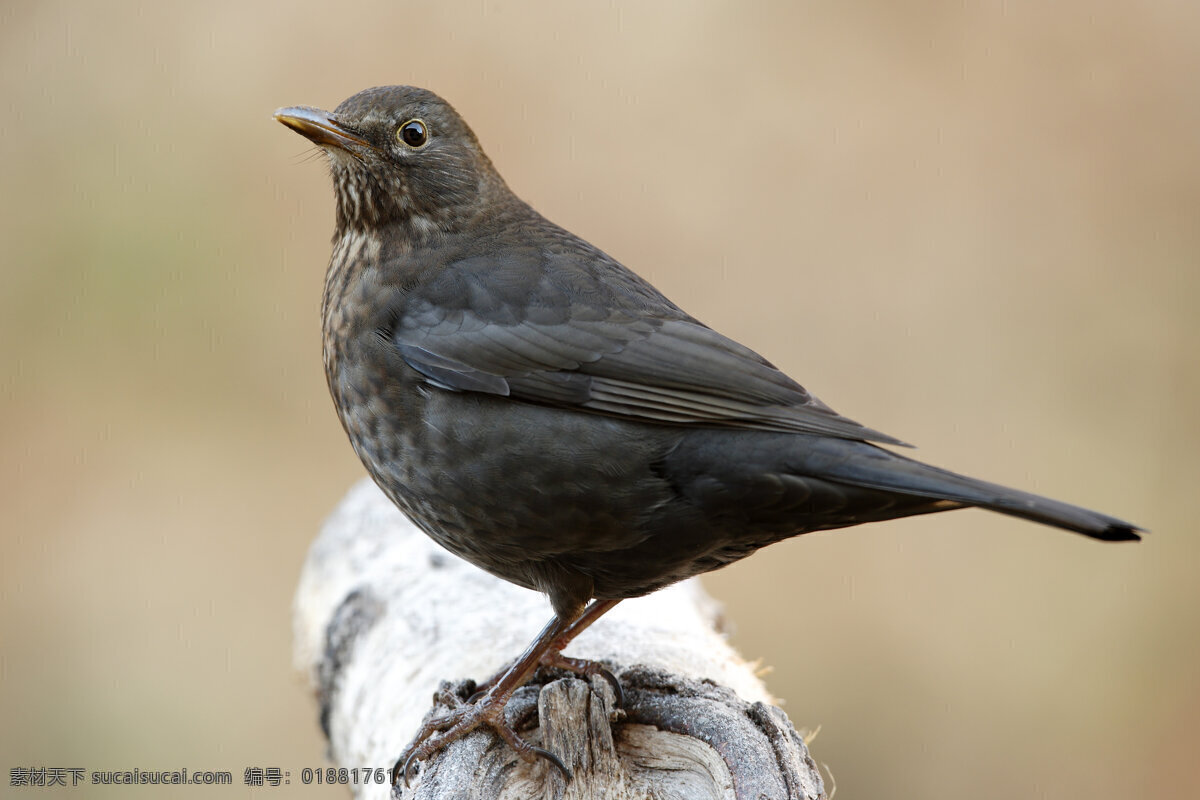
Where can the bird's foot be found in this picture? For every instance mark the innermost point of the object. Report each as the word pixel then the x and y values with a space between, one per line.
pixel 556 660
pixel 483 709
pixel 487 706
pixel 586 668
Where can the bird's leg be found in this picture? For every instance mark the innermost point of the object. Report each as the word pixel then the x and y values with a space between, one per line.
pixel 488 710
pixel 593 612
pixel 553 656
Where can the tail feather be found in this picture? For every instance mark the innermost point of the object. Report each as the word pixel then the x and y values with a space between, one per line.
pixel 1025 505
pixel 866 465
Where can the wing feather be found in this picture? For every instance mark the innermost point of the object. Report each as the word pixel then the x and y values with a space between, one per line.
pixel 603 342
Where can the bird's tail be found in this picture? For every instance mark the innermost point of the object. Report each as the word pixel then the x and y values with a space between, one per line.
pixel 873 467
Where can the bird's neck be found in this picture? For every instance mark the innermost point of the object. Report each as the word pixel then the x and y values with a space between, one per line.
pixel 381 203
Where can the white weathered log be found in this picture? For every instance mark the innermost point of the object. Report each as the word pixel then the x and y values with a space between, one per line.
pixel 383 616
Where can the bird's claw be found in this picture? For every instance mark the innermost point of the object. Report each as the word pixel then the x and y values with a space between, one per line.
pixel 422 741
pixel 553 759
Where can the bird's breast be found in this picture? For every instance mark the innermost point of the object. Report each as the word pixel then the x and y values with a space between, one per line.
pixel 362 380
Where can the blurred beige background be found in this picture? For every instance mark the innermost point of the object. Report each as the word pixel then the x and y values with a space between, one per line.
pixel 975 226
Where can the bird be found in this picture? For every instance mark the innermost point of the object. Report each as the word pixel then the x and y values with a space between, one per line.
pixel 548 415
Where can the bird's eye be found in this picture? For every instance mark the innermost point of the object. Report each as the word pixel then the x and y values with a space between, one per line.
pixel 413 133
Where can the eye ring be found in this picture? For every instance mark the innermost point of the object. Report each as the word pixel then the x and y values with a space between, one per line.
pixel 413 133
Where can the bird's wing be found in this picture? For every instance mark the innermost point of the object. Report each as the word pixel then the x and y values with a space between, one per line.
pixel 624 359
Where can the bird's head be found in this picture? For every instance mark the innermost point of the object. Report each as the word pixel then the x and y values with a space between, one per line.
pixel 399 155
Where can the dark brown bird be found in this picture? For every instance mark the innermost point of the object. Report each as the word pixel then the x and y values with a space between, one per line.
pixel 546 414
